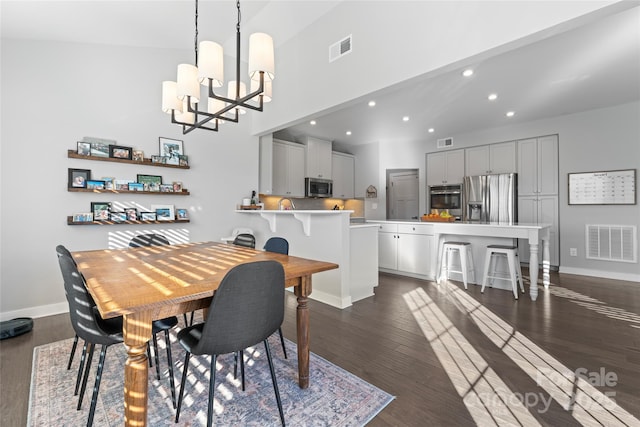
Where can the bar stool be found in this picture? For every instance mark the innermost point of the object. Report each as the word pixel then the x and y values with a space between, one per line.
pixel 515 273
pixel 464 251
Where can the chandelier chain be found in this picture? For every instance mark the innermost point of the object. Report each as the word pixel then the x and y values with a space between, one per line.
pixel 195 41
pixel 239 15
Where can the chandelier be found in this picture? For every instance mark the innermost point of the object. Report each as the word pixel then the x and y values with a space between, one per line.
pixel 181 98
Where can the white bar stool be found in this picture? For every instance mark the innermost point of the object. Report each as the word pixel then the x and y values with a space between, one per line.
pixel 515 273
pixel 464 251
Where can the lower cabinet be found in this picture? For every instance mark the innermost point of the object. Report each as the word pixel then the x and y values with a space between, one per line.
pixel 540 210
pixel 405 248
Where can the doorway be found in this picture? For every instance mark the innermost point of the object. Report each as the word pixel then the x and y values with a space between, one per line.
pixel 402 194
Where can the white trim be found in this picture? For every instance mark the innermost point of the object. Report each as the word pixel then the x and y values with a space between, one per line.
pixel 598 273
pixel 330 299
pixel 37 311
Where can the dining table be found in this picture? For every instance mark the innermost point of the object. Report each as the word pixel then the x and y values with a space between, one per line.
pixel 149 283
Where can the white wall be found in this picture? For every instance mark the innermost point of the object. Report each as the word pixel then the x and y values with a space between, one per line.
pixel 53 94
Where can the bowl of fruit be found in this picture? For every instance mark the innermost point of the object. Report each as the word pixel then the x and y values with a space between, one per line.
pixel 438 216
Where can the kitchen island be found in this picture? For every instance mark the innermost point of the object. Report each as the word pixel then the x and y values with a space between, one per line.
pixel 437 232
pixel 325 235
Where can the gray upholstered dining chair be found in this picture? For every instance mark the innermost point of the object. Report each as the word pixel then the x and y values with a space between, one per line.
pixel 278 245
pixel 247 308
pixel 246 240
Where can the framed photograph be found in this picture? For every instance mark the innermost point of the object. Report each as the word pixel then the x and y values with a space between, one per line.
pixel 149 179
pixel 100 210
pixel 84 148
pixel 158 159
pixel 138 155
pixel 131 213
pixel 183 160
pixel 177 187
pixel 172 149
pixel 182 214
pixel 166 188
pixel 122 184
pixel 164 212
pixel 83 217
pixel 147 216
pixel 99 149
pixel 118 216
pixel 95 185
pixel 119 152
pixel 135 186
pixel 78 178
pixel 109 182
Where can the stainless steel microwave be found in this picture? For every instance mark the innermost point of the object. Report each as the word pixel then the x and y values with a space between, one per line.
pixel 316 187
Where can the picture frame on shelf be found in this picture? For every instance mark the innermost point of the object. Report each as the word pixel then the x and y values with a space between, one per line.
pixel 172 149
pixel 78 178
pixel 131 213
pixel 94 184
pixel 177 187
pixel 159 159
pixel 138 155
pixel 118 216
pixel 166 188
pixel 149 179
pixel 109 182
pixel 100 210
pixel 122 184
pixel 183 160
pixel 120 152
pixel 83 217
pixel 135 186
pixel 147 216
pixel 84 148
pixel 99 149
pixel 164 212
pixel 182 214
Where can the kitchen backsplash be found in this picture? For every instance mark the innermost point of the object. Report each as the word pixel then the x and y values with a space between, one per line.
pixel 355 205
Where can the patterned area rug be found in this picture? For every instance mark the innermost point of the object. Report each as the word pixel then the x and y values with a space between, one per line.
pixel 335 397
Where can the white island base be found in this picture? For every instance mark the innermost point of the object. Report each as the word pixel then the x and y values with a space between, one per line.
pixel 326 236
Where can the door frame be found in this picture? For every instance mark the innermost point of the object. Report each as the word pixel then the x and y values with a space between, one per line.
pixel 388 186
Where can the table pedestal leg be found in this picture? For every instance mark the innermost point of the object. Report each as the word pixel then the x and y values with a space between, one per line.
pixel 546 261
pixel 302 291
pixel 136 330
pixel 533 270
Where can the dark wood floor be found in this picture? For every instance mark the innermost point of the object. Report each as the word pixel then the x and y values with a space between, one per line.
pixel 415 339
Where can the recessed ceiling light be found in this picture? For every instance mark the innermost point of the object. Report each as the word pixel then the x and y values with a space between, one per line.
pixel 348 132
pixel 372 103
pixel 312 122
pixel 405 119
pixel 510 114
pixel 492 97
pixel 468 72
pixel 431 130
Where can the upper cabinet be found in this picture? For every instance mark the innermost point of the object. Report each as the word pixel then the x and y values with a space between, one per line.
pixel 446 167
pixel 494 158
pixel 343 170
pixel 288 169
pixel 317 158
pixel 538 166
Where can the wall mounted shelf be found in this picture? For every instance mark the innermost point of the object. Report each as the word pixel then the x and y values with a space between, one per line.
pixel 70 221
pixel 158 193
pixel 72 154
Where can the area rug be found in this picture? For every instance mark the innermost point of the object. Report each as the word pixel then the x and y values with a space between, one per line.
pixel 335 397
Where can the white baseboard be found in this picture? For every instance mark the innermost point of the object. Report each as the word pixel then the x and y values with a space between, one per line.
pixel 604 274
pixel 330 299
pixel 35 312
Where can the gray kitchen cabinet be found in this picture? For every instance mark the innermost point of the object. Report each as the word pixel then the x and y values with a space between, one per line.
pixel 317 161
pixel 288 169
pixel 446 167
pixel 343 172
pixel 538 166
pixel 493 158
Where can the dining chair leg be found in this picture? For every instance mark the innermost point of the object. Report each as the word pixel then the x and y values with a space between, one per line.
pixel 73 352
pixel 183 383
pixel 284 349
pixel 189 323
pixel 81 368
pixel 96 386
pixel 212 383
pixel 241 354
pixel 275 382
pixel 238 355
pixel 155 355
pixel 87 368
pixel 170 361
pixel 149 358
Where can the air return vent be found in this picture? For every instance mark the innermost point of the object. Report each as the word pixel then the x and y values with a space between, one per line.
pixel 340 49
pixel 612 242
pixel 445 142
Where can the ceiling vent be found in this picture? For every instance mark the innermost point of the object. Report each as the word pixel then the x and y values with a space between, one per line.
pixel 340 49
pixel 445 142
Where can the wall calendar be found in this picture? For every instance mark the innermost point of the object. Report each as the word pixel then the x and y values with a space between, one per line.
pixel 603 188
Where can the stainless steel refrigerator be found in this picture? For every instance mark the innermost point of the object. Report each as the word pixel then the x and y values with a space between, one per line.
pixel 491 198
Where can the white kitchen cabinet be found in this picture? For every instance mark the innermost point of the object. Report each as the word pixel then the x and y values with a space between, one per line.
pixel 317 158
pixel 540 210
pixel 538 166
pixel 446 167
pixel 493 158
pixel 343 172
pixel 405 248
pixel 288 169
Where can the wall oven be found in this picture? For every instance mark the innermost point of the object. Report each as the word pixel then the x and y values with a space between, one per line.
pixel 447 197
pixel 315 187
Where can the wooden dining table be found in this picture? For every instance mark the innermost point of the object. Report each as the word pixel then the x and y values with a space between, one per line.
pixel 150 283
